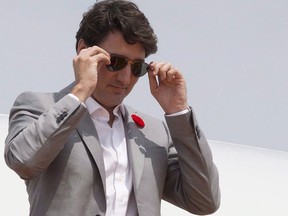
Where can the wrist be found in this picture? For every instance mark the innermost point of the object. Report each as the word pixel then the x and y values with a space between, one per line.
pixel 176 109
pixel 81 91
pixel 182 112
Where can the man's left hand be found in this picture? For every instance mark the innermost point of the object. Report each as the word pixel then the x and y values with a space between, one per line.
pixel 168 86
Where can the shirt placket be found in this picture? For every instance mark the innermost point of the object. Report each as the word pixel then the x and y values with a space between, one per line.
pixel 121 191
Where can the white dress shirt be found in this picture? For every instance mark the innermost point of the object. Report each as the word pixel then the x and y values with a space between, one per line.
pixel 117 167
pixel 120 198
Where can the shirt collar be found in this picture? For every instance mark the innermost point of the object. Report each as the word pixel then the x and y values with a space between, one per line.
pixel 94 107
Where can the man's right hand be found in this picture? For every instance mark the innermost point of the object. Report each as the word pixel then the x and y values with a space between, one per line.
pixel 86 65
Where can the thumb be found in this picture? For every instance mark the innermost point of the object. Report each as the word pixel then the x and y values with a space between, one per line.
pixel 153 82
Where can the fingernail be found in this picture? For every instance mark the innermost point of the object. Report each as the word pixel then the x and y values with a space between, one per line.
pixel 150 67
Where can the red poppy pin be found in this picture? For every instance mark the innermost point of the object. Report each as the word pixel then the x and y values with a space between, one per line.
pixel 139 121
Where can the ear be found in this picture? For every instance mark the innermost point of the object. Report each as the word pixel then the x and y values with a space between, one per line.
pixel 81 45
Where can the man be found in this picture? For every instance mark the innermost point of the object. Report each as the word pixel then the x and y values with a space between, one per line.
pixel 81 151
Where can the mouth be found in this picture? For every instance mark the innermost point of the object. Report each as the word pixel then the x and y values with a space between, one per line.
pixel 118 89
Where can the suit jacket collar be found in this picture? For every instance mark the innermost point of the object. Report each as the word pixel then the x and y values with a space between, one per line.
pixel 135 145
pixel 88 133
pixel 134 138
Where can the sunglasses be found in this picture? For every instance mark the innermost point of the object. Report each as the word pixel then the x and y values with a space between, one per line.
pixel 138 67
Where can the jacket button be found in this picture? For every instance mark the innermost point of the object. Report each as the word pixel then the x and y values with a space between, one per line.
pixel 198 132
pixel 64 114
pixel 61 117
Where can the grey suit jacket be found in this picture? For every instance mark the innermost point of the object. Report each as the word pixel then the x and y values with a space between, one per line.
pixel 53 145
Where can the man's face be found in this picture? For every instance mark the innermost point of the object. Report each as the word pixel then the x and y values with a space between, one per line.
pixel 113 87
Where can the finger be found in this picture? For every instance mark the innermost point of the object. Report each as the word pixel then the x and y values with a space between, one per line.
pixel 174 74
pixel 102 59
pixel 94 50
pixel 153 83
pixel 158 70
pixel 96 53
pixel 166 72
pixel 156 66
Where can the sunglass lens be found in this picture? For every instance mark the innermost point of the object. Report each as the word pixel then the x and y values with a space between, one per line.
pixel 139 68
pixel 117 63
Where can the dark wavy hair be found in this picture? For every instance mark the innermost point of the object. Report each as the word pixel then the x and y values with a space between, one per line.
pixel 108 15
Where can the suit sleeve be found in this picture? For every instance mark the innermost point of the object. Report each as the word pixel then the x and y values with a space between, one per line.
pixel 38 129
pixel 192 181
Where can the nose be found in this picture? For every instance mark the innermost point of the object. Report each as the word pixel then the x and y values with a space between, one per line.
pixel 124 75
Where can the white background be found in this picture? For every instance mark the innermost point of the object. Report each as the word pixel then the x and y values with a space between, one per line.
pixel 232 53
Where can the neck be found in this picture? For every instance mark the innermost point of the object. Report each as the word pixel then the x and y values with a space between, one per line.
pixel 110 110
pixel 111 119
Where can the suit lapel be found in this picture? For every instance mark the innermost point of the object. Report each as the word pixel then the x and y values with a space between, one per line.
pixel 88 133
pixel 135 145
pixel 89 136
pixel 134 137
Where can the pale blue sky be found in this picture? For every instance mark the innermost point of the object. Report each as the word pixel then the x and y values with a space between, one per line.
pixel 232 53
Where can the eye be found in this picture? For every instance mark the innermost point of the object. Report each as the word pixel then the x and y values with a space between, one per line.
pixel 136 68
